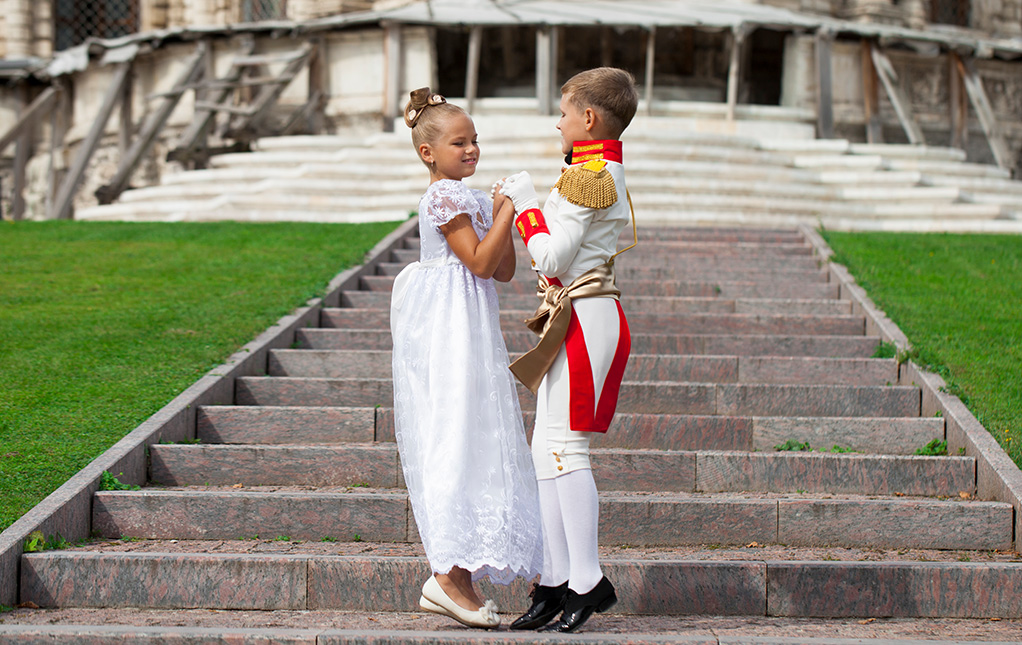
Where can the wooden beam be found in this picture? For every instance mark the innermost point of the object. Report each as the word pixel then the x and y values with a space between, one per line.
pixel 242 125
pixel 475 38
pixel 59 124
pixel 543 60
pixel 127 124
pixel 734 72
pixel 194 136
pixel 824 86
pixel 987 119
pixel 65 195
pixel 870 97
pixel 958 99
pixel 650 65
pixel 392 103
pixel 194 68
pixel 900 102
pixel 37 108
pixel 22 153
pixel 319 82
pixel 607 46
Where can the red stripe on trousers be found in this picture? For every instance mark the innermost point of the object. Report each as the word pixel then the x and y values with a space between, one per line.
pixel 585 414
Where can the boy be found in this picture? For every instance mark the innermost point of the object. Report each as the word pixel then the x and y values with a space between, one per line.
pixel 577 366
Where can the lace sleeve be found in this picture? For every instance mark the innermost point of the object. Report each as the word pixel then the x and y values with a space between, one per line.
pixel 448 198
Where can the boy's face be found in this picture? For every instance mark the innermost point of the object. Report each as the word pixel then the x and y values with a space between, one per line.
pixel 574 124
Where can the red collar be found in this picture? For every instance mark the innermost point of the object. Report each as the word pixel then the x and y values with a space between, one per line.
pixel 609 149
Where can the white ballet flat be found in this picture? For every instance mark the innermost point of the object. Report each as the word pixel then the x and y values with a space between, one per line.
pixel 434 599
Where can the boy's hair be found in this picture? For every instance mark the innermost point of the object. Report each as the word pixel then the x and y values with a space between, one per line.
pixel 608 90
pixel 425 114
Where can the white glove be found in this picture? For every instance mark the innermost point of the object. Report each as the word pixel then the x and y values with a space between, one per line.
pixel 519 189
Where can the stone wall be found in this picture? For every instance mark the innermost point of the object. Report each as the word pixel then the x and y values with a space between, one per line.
pixel 354 84
pixel 924 79
pixel 1003 17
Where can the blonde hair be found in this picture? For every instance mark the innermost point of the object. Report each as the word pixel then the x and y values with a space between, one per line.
pixel 425 114
pixel 608 90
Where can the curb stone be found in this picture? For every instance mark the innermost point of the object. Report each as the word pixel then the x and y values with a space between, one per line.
pixel 997 476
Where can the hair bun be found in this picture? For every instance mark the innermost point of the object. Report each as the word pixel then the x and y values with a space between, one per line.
pixel 420 100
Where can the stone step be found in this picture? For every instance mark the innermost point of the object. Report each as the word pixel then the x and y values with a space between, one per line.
pixel 655 257
pixel 377 466
pixel 647 304
pixel 294 185
pixel 750 234
pixel 677 288
pixel 641 367
pixel 417 628
pixel 715 344
pixel 220 209
pixel 635 397
pixel 301 579
pixel 870 177
pixel 629 272
pixel 635 519
pixel 977 185
pixel 511 156
pixel 643 323
pixel 892 150
pixel 865 202
pixel 951 168
pixel 303 425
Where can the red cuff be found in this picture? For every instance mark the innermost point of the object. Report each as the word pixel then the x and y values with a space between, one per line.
pixel 530 223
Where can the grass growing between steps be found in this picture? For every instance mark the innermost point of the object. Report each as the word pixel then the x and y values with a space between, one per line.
pixel 958 298
pixel 102 324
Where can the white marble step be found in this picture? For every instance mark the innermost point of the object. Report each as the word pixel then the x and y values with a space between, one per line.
pixel 976 185
pixel 908 151
pixel 953 168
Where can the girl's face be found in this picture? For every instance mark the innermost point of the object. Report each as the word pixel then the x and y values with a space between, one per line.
pixel 456 150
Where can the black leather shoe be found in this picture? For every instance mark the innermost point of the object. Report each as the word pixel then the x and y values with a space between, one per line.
pixel 546 603
pixel 579 607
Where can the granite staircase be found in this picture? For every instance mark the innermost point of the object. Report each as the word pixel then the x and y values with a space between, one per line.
pixel 778 175
pixel 292 498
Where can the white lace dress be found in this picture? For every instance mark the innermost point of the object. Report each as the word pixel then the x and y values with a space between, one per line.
pixel 459 429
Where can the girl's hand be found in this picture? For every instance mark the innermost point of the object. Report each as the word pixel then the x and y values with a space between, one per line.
pixel 499 199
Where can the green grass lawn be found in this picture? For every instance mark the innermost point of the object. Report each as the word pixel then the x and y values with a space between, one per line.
pixel 102 324
pixel 958 298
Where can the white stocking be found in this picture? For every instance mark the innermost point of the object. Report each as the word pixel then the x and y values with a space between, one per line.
pixel 555 546
pixel 580 514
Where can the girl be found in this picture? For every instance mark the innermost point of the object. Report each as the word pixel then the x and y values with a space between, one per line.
pixel 459 428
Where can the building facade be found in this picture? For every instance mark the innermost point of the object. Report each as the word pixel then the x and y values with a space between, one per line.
pixel 368 55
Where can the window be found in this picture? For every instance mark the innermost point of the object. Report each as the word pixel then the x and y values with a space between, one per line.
pixel 76 20
pixel 256 10
pixel 950 12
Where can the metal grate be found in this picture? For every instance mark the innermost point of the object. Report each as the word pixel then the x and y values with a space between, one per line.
pixel 950 12
pixel 76 20
pixel 255 10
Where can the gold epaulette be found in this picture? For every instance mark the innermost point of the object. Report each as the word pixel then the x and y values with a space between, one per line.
pixel 590 185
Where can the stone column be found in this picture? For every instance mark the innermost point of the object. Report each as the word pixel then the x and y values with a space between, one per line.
pixel 154 14
pixel 20 28
pixel 43 29
pixel 916 13
pixel 176 12
pixel 201 12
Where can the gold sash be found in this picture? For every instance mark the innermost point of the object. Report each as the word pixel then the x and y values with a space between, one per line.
pixel 553 316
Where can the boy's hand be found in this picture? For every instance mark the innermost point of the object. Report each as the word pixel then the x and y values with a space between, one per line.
pixel 521 191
